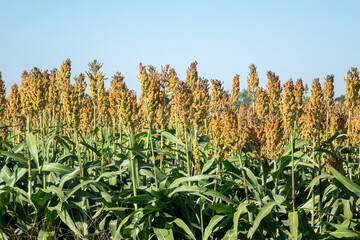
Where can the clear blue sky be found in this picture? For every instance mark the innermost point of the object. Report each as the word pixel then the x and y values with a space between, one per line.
pixel 295 39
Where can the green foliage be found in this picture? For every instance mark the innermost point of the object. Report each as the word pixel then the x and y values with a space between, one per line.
pixel 119 196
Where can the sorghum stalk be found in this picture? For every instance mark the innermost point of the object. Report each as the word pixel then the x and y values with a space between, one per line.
pixel 132 162
pixel 351 96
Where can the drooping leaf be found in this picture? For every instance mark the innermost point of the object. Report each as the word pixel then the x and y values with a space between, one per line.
pixel 213 222
pixel 261 215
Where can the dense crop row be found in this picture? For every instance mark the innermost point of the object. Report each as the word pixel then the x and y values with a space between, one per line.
pixel 184 161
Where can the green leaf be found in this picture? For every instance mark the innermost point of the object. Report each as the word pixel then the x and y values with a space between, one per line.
pixel 216 194
pixel 344 233
pixel 284 162
pixel 163 234
pixel 57 168
pixel 253 179
pixel 350 185
pixel 172 138
pixel 31 141
pixel 230 235
pixel 68 177
pixel 17 175
pixel 347 209
pixel 178 181
pixel 66 218
pixel 294 224
pixel 17 157
pixel 181 224
pixel 77 187
pixel 43 235
pixel 222 208
pixel 261 215
pixel 239 211
pixel 213 222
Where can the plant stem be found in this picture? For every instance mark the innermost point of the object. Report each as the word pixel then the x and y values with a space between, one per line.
pixel 132 162
pixel 348 146
pixel 293 170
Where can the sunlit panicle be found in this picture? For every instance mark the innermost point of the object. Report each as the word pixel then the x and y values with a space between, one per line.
pixel 192 76
pixel 308 127
pixel 329 90
pixel 355 127
pixel 183 101
pixel 12 112
pixel 317 104
pixel 299 96
pixel 274 89
pixel 2 95
pixel 215 130
pixel 241 130
pixel 200 106
pixel 256 135
pixel 65 73
pixel 218 98
pixel 73 100
pixel 288 106
pixel 86 115
pixel 94 74
pixel 235 90
pixel 229 120
pixel 252 81
pixel 116 84
pixel 173 82
pixel 262 104
pixel 352 88
pixel 274 132
pixel 338 119
pixel 32 91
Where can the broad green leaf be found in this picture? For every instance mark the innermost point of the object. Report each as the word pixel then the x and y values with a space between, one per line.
pixel 241 208
pixel 66 218
pixel 347 209
pixel 213 222
pixel 221 208
pixel 207 165
pixel 43 235
pixel 57 168
pixel 230 235
pixel 17 175
pixel 178 181
pixel 163 234
pixel 77 187
pixel 350 185
pixel 172 138
pixel 68 177
pixel 345 233
pixel 181 224
pixel 294 224
pixel 253 179
pixel 31 141
pixel 216 194
pixel 261 215
pixel 17 157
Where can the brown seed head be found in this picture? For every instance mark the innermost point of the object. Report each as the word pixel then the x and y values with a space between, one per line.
pixel 288 106
pixel 192 76
pixel 235 89
pixel 329 90
pixel 274 89
pixel 252 81
pixel 352 88
pixel 262 104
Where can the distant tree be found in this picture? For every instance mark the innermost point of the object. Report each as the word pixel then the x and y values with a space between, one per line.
pixel 341 98
pixel 244 98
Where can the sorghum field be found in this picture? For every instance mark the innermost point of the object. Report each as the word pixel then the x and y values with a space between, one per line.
pixel 186 160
